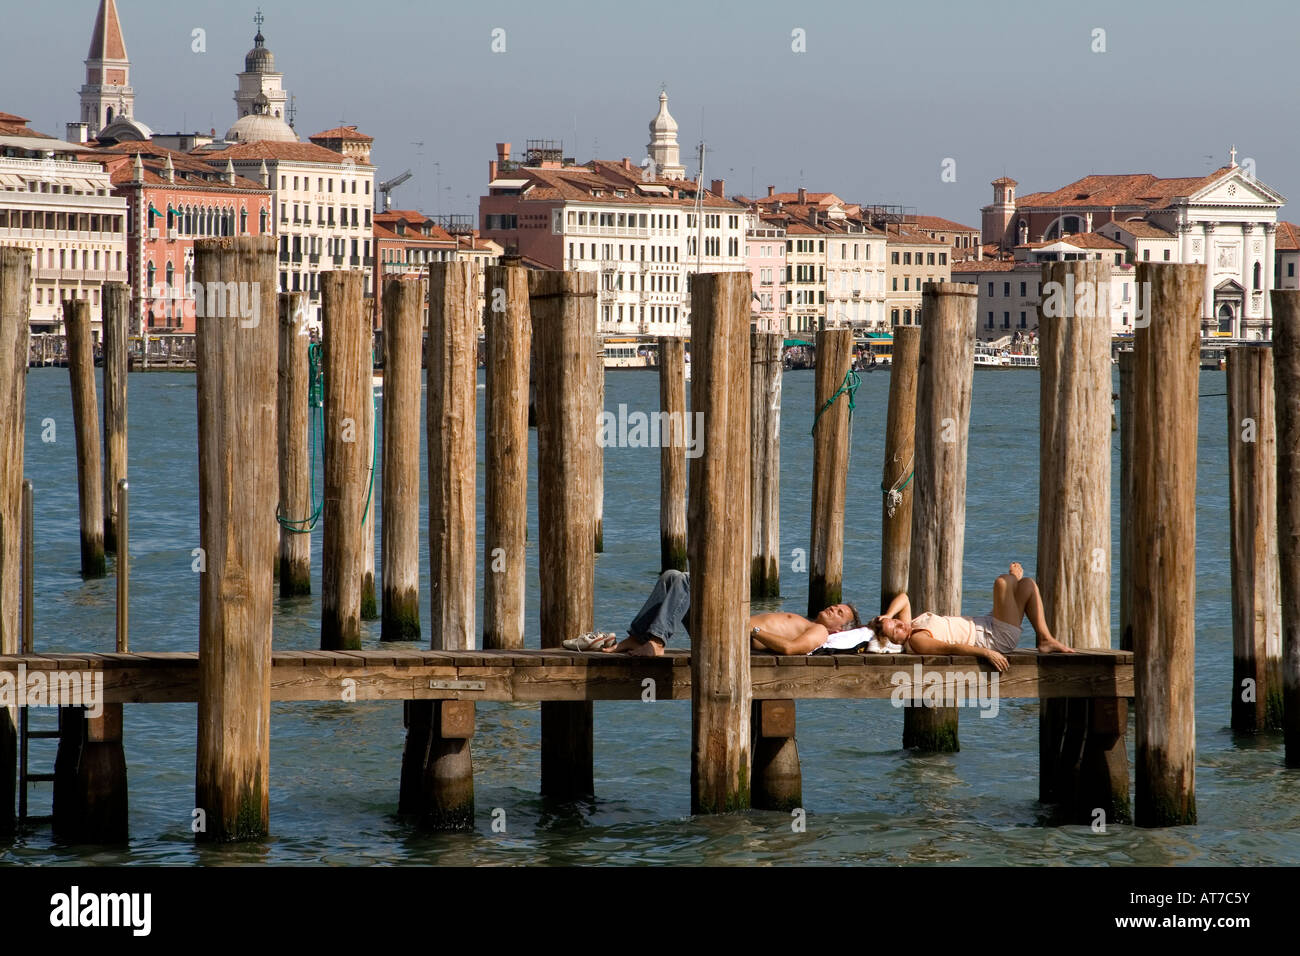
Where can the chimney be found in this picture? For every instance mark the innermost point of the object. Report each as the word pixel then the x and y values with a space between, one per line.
pixel 492 169
pixel 627 164
pixel 503 153
pixel 803 195
pixel 718 187
pixel 771 191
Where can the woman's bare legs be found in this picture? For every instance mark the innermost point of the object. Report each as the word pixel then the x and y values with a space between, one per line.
pixel 1015 597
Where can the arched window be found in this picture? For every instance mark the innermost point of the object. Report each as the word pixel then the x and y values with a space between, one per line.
pixel 1259 273
pixel 149 273
pixel 171 275
pixel 261 221
pixel 1070 225
pixel 108 116
pixel 243 222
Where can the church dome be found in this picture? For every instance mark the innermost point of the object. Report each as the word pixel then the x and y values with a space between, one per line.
pixel 260 126
pixel 663 121
pixel 124 129
pixel 259 58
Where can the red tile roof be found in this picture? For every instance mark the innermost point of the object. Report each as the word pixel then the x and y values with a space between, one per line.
pixel 269 149
pixel 188 171
pixel 939 224
pixel 1129 189
pixel 1142 229
pixel 1288 237
pixel 342 132
pixel 1081 240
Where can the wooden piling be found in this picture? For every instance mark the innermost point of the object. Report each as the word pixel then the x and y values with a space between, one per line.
pixel 238 489
pixel 598 450
pixel 15 293
pixel 123 622
pixel 672 454
pixel 945 372
pixel 508 331
pixel 1126 414
pixel 765 466
pixel 1256 601
pixel 563 307
pixel 293 426
pixel 718 517
pixel 369 608
pixel 437 766
pixel 1073 565
pixel 778 780
pixel 1166 373
pixel 116 323
pixel 346 367
pixel 403 302
pixel 85 423
pixel 832 438
pixel 900 439
pixel 1286 384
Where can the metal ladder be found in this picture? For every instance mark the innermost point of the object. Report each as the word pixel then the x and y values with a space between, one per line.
pixel 25 730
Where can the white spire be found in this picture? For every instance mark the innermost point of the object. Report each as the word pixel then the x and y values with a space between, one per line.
pixel 664 152
pixel 265 176
pixel 169 170
pixel 230 171
pixel 137 170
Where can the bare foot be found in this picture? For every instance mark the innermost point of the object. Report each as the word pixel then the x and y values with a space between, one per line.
pixel 637 646
pixel 1050 645
pixel 1017 570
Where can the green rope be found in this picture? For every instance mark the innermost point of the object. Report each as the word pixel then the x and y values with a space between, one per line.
pixel 316 439
pixel 847 387
pixel 374 452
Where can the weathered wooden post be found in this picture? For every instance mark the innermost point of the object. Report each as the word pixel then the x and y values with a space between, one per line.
pixel 945 372
pixel 369 606
pixel 1256 602
pixel 1166 373
pixel 832 438
pixel 598 450
pixel 765 467
pixel 508 331
pixel 15 293
pixel 672 454
pixel 563 306
pixel 346 366
pixel 896 482
pixel 1073 564
pixel 403 302
pixel 1126 414
pixel 718 517
pixel 293 383
pixel 1286 383
pixel 238 488
pixel 85 423
pixel 438 753
pixel 116 318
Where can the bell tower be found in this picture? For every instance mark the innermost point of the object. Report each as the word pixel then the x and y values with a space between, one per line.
pixel 107 92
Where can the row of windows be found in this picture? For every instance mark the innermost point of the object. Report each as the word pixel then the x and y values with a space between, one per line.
pixel 597 251
pixel 207 220
pixel 59 221
pixel 68 259
pixel 325 215
pixel 658 313
pixel 657 283
pixel 53 296
pixel 415 256
pixel 907 317
pixel 325 184
pixel 314 244
pixel 907 287
pixel 1006 321
pixel 629 220
pixel 928 256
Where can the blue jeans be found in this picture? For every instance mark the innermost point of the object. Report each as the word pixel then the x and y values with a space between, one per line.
pixel 665 612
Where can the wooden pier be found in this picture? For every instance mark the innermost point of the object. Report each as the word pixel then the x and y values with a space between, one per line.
pixel 743 703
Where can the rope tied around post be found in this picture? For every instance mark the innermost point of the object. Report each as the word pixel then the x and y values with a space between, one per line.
pixel 316 437
pixel 894 493
pixel 847 387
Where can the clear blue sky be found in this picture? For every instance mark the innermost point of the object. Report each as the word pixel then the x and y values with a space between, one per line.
pixel 883 94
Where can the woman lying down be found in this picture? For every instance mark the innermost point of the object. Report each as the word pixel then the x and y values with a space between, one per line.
pixel 839 629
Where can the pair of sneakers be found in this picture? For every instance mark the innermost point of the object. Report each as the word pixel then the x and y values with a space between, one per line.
pixel 591 641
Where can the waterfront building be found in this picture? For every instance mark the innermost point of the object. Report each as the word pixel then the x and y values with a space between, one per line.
pixel 1226 219
pixel 965 240
pixel 172 200
pixel 765 259
pixel 644 230
pixel 1287 245
pixel 406 241
pixel 61 206
pixel 1009 287
pixel 914 259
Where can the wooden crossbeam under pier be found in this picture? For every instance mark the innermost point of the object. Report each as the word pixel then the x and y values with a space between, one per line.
pixel 554 675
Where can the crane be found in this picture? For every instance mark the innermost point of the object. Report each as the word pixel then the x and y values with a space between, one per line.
pixel 386 187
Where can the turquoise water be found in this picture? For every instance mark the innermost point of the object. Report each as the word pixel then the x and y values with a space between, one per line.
pixel 335 767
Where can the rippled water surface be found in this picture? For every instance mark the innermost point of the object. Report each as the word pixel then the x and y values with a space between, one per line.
pixel 335 767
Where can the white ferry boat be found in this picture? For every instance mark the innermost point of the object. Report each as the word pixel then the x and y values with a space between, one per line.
pixel 991 356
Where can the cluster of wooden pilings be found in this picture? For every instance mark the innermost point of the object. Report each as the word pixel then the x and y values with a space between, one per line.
pixel 254 464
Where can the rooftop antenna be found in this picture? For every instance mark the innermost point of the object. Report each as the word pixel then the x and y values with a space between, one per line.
pixel 419 156
pixel 292 111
